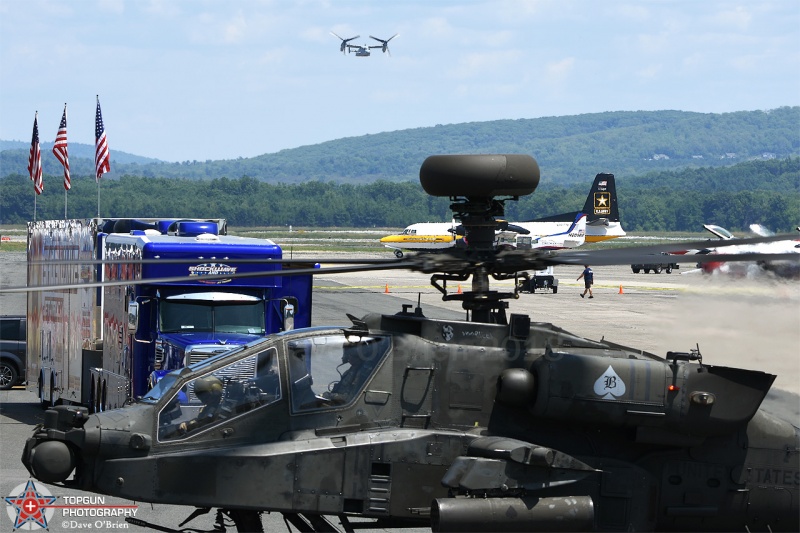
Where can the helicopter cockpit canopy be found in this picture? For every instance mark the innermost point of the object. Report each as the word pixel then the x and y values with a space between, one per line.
pixel 325 371
pixel 213 397
pixel 332 370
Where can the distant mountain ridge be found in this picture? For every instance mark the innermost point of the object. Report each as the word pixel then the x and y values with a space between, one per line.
pixel 569 149
pixel 77 151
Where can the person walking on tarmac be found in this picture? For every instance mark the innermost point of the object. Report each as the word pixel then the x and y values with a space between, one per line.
pixel 588 280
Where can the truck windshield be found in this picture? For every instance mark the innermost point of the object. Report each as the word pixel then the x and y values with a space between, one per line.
pixel 214 317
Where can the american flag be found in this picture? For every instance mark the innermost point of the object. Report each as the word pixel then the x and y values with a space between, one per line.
pixel 35 159
pixel 60 148
pixel 101 157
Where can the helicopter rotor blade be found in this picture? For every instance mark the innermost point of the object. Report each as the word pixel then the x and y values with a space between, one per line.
pixel 516 229
pixel 391 264
pixel 190 261
pixel 459 261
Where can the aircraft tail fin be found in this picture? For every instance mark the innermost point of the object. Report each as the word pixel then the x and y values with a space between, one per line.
pixel 602 199
pixel 600 204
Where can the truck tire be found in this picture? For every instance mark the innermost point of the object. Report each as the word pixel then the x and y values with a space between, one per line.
pixel 635 270
pixel 8 375
pixel 668 270
pixel 657 270
pixel 646 270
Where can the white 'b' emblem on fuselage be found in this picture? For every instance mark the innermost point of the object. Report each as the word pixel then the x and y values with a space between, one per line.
pixel 609 385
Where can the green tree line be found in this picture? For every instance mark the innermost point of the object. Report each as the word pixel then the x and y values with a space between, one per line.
pixel 569 149
pixel 766 192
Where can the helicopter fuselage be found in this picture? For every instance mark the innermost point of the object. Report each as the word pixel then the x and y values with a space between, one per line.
pixel 466 425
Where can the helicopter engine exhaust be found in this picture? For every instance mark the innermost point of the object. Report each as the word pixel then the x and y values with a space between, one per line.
pixel 566 513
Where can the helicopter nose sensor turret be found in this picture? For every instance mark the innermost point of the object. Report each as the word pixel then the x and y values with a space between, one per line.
pixel 50 455
pixel 52 461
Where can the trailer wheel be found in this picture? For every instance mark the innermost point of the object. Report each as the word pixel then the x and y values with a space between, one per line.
pixel 635 270
pixel 657 270
pixel 668 270
pixel 646 270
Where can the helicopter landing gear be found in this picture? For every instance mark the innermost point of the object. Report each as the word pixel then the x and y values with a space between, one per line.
pixel 245 521
pixel 309 523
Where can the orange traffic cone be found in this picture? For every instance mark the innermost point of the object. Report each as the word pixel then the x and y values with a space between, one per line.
pixel 387 289
pixel 620 290
pixel 459 289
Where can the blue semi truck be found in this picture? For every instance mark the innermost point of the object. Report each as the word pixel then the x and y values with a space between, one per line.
pixel 172 303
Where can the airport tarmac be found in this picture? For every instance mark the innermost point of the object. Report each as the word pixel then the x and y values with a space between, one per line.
pixel 743 323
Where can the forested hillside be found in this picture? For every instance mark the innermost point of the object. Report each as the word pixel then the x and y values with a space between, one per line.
pixel 569 149
pixel 766 192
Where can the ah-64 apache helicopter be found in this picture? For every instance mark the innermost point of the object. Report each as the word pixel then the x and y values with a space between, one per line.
pixel 495 423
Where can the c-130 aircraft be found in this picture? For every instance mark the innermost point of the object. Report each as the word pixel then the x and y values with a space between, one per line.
pixel 495 423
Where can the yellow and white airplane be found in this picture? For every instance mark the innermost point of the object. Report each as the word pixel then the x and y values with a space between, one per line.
pixel 598 221
pixel 432 236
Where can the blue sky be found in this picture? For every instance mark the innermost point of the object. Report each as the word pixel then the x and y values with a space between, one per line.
pixel 210 79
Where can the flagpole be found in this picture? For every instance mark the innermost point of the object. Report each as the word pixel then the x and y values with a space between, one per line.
pixel 33 178
pixel 96 166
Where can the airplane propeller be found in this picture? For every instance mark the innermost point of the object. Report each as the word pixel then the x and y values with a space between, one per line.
pixel 344 41
pixel 385 43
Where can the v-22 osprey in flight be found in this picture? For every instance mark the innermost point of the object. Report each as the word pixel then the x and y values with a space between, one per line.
pixel 363 50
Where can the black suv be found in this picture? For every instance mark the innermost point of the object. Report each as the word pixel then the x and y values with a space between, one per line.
pixel 13 350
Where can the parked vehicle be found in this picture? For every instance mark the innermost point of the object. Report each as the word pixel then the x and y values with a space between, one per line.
pixel 13 350
pixel 656 267
pixel 542 279
pixel 105 347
